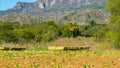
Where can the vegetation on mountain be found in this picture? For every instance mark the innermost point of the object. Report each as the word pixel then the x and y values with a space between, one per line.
pixel 79 16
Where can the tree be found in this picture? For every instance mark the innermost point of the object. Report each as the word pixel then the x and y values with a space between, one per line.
pixel 114 22
pixel 70 29
pixel 6 32
pixel 90 28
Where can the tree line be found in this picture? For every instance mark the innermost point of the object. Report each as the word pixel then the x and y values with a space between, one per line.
pixel 47 31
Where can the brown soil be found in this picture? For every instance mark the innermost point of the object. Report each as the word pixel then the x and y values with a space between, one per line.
pixel 59 60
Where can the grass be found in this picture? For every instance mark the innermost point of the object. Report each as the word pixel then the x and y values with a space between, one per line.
pixel 51 55
pixel 63 42
pixel 81 41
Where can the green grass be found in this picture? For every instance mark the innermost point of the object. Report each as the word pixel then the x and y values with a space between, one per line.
pixel 38 48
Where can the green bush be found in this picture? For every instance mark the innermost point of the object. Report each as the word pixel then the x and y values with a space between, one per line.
pixel 46 31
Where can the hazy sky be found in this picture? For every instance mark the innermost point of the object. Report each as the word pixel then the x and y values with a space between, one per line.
pixel 6 4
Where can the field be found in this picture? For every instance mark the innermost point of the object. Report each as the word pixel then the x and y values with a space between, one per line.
pixel 39 56
pixel 60 59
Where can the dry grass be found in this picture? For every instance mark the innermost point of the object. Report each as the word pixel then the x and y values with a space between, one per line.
pixel 80 41
pixel 68 42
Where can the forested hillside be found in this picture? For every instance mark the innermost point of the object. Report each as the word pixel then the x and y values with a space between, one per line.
pixel 80 16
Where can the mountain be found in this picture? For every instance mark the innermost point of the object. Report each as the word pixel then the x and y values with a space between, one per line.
pixel 61 11
pixel 41 6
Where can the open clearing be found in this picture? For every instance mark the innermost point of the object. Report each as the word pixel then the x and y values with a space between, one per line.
pixel 60 59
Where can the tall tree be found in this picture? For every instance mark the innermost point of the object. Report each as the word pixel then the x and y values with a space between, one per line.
pixel 113 35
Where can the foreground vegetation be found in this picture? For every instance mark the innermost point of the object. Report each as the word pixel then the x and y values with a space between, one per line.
pixel 60 59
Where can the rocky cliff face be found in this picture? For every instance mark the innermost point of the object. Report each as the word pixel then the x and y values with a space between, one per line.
pixel 25 7
pixel 21 5
pixel 69 4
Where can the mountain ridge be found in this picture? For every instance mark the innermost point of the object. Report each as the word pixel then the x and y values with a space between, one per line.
pixel 60 11
pixel 41 6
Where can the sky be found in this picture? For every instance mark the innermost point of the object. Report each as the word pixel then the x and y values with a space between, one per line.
pixel 7 4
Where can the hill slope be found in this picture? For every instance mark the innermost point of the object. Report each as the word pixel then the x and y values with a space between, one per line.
pixel 41 6
pixel 61 11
